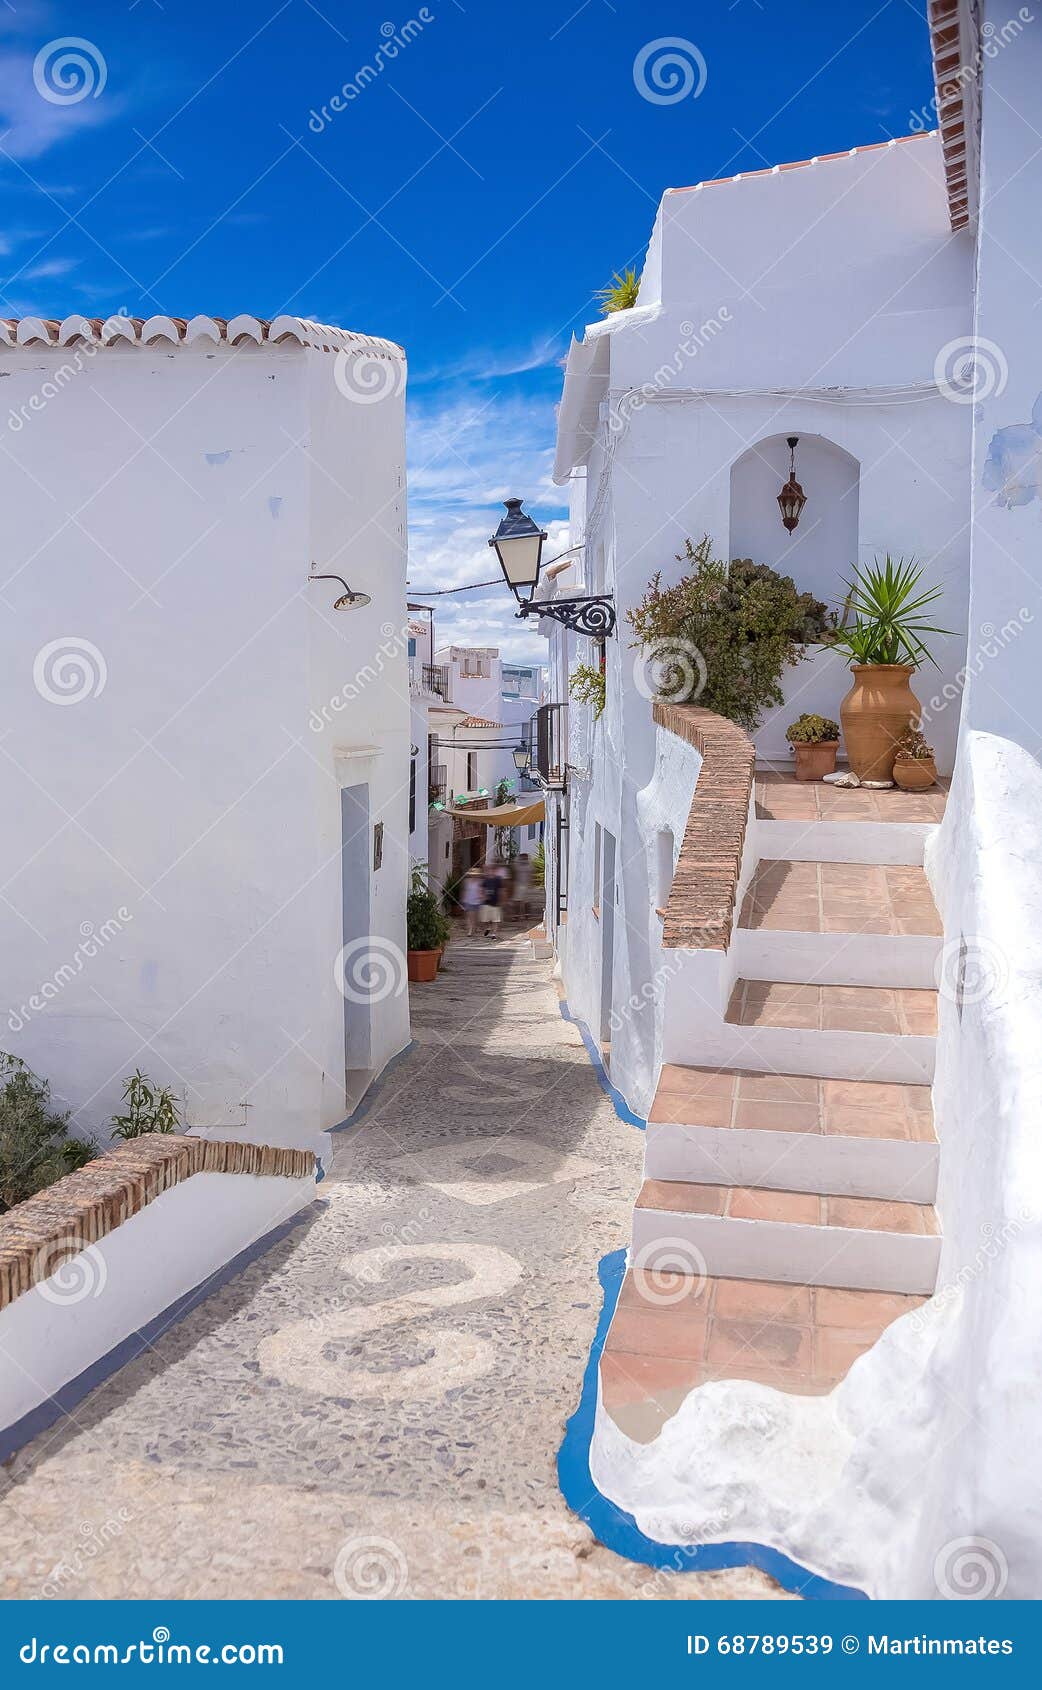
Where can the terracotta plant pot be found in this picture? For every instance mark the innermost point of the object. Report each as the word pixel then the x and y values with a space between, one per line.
pixel 915 774
pixel 816 759
pixel 423 966
pixel 877 710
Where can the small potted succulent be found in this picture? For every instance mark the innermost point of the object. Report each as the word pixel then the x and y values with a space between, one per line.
pixel 914 766
pixel 815 741
pixel 426 928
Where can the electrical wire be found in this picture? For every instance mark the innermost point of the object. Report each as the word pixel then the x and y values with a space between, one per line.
pixel 439 592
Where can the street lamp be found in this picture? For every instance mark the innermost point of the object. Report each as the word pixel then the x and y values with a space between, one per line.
pixel 519 547
pixel 347 600
pixel 792 498
pixel 522 759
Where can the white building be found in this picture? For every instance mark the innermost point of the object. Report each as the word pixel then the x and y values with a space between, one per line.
pixel 839 300
pixel 205 840
pixel 497 704
pixel 670 431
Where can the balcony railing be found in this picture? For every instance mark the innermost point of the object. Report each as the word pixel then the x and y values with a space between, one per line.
pixel 551 743
pixel 438 783
pixel 436 679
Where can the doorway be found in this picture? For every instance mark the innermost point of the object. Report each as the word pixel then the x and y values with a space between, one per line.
pixel 354 862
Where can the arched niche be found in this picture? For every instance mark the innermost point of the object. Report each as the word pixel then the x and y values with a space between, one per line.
pixel 819 554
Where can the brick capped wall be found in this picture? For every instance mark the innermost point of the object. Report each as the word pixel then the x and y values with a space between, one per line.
pixel 38 1235
pixel 700 912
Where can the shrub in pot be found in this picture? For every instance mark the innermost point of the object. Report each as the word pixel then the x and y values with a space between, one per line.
pixel 885 644
pixel 914 766
pixel 815 741
pixel 426 928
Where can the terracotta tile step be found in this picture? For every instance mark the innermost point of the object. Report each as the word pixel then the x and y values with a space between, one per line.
pixel 820 897
pixel 793 1208
pixel 669 1336
pixel 899 1011
pixel 780 797
pixel 792 1103
pixel 796 1237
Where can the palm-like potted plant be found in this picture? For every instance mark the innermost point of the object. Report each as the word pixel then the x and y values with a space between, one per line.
pixel 815 741
pixel 426 928
pixel 914 766
pixel 885 642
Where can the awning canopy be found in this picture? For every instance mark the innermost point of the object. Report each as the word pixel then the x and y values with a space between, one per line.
pixel 501 815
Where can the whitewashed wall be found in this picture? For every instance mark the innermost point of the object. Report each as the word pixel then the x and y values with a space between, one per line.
pixel 163 510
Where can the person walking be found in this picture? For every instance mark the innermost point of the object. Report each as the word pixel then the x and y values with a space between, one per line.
pixel 471 894
pixel 491 909
pixel 522 883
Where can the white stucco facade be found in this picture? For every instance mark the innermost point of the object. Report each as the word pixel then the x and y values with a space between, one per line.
pixel 184 711
pixel 749 328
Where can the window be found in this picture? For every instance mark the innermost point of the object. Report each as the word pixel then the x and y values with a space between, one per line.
pixel 597 866
pixel 412 795
pixel 472 771
pixel 412 646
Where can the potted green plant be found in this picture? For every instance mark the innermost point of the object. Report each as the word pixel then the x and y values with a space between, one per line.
pixel 426 928
pixel 815 741
pixel 885 643
pixel 914 766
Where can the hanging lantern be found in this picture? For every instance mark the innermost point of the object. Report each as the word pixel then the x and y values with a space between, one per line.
pixel 792 498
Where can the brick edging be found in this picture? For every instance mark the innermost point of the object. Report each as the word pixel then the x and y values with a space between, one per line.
pixel 38 1235
pixel 700 912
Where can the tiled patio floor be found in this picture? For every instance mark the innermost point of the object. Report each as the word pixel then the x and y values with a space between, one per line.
pixel 856 1009
pixel 709 1097
pixel 840 898
pixel 780 797
pixel 672 1334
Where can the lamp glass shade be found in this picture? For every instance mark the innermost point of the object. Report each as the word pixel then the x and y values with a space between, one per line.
pixel 791 501
pixel 519 547
pixel 522 758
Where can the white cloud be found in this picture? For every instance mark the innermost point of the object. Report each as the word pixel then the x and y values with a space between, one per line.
pixel 468 452
pixel 33 124
pixel 50 267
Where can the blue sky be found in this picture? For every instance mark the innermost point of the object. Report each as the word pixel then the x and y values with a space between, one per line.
pixel 468 202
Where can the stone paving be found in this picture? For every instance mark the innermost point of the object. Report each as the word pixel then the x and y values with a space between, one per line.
pixel 374 1406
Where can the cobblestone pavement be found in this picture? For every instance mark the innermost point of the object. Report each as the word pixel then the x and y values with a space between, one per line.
pixel 374 1406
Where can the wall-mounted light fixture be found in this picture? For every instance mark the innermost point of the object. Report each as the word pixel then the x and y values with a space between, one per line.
pixel 347 600
pixel 519 547
pixel 792 498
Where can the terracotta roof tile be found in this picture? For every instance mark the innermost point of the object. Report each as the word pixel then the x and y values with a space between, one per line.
pixel 799 164
pixel 242 330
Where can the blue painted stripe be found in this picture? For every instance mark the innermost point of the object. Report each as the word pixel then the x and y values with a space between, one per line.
pixel 67 1397
pixel 618 1530
pixel 365 1103
pixel 622 1108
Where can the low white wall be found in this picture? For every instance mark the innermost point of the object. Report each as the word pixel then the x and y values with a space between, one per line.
pixel 920 1476
pixel 50 1334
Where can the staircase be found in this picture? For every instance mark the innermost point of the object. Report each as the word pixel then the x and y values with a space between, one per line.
pixel 806 1155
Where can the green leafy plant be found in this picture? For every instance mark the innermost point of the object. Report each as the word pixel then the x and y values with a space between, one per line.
pixel 587 684
pixel 426 926
pixel 35 1147
pixel 621 292
pixel 887 605
pixel 809 729
pixel 726 632
pixel 912 745
pixel 539 865
pixel 149 1109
